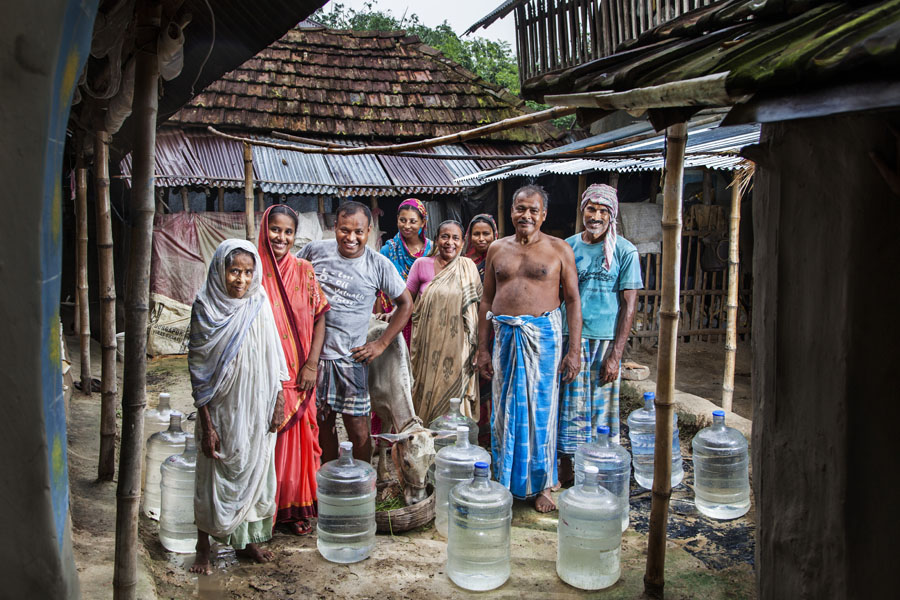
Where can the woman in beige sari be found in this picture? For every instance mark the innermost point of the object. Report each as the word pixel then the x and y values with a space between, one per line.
pixel 447 289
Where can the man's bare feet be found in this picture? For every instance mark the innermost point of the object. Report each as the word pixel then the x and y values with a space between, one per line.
pixel 543 503
pixel 254 552
pixel 201 564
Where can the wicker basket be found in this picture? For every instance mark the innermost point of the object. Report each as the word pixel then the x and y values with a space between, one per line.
pixel 408 517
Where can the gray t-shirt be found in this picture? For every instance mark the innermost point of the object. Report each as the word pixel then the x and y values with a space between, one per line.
pixel 350 284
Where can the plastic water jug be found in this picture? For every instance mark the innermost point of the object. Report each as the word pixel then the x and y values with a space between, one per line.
pixel 589 535
pixel 453 464
pixel 478 542
pixel 642 433
pixel 449 422
pixel 157 419
pixel 721 470
pixel 614 465
pixel 160 446
pixel 177 530
pixel 346 494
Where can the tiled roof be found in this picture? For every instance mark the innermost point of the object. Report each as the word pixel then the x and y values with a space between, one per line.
pixel 386 85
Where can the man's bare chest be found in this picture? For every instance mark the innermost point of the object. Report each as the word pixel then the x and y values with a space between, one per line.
pixel 524 265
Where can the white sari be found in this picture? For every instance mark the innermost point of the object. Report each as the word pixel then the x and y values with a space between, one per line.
pixel 237 365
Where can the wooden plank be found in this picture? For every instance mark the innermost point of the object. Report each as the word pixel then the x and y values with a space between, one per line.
pixel 553 16
pixel 606 27
pixel 542 34
pixel 221 204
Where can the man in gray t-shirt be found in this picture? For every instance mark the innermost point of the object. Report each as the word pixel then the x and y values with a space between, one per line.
pixel 350 274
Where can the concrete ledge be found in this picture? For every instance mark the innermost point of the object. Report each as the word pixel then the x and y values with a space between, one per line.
pixel 697 411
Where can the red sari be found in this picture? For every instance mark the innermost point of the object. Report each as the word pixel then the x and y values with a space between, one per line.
pixel 297 302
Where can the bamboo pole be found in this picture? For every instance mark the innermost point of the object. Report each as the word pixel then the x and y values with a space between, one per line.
pixel 501 210
pixel 579 218
pixel 249 213
pixel 185 201
pixel 731 302
pixel 81 234
pixel 137 296
pixel 221 194
pixel 453 138
pixel 108 389
pixel 654 576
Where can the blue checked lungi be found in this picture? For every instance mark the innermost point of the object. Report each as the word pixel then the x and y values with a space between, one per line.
pixel 584 404
pixel 527 351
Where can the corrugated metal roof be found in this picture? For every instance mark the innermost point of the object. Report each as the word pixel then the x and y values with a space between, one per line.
pixel 487 150
pixel 285 172
pixel 190 158
pixel 498 13
pixel 707 146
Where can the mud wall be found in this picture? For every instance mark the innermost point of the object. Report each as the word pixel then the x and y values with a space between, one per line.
pixel 825 335
pixel 43 49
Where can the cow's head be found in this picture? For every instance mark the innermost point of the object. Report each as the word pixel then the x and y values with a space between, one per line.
pixel 413 453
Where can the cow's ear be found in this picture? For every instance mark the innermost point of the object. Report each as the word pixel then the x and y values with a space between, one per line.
pixel 391 438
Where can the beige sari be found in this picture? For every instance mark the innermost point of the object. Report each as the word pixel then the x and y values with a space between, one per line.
pixel 444 341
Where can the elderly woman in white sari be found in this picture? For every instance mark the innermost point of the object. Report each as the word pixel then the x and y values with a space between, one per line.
pixel 237 366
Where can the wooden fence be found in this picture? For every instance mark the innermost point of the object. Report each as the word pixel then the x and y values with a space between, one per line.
pixel 703 290
pixel 557 34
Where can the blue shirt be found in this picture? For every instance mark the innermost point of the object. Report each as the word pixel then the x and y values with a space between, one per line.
pixel 600 288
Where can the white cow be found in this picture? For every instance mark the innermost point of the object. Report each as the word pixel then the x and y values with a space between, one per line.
pixel 390 387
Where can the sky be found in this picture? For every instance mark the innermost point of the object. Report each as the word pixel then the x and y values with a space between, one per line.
pixel 433 12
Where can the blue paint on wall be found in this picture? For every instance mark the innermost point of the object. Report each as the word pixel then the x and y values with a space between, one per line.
pixel 74 46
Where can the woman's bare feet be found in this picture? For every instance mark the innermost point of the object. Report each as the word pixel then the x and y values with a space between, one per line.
pixel 201 563
pixel 301 527
pixel 255 553
pixel 543 502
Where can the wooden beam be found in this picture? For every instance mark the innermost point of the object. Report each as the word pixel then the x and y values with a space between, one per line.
pixel 185 200
pixel 654 576
pixel 221 204
pixel 249 212
pixel 137 300
pixel 709 188
pixel 579 217
pixel 108 387
pixel 501 210
pixel 708 90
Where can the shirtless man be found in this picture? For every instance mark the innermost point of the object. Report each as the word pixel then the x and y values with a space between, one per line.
pixel 522 281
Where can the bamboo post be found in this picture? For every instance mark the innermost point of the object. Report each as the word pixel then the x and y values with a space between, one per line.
pixel 579 218
pixel 709 190
pixel 249 213
pixel 374 208
pixel 81 234
pixel 731 303
pixel 501 210
pixel 185 202
pixel 108 389
pixel 654 576
pixel 137 296
pixel 221 193
pixel 260 200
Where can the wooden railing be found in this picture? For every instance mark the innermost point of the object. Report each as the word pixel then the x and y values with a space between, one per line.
pixel 557 34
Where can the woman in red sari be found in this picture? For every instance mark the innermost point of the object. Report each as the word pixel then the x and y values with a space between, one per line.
pixel 298 304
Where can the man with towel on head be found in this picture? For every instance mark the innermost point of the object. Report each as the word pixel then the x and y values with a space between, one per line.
pixel 522 281
pixel 609 275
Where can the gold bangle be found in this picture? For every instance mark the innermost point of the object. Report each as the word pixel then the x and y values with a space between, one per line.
pixel 306 366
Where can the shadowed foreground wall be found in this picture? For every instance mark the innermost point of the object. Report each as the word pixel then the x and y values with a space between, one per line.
pixel 825 344
pixel 41 55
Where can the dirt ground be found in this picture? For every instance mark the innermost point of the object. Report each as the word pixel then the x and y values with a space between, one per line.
pixel 699 370
pixel 704 558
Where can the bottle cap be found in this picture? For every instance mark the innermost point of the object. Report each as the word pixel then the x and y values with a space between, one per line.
pixel 348 446
pixel 455 400
pixel 591 470
pixel 649 396
pixel 481 465
pixel 718 413
pixel 602 429
pixel 165 395
pixel 463 428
